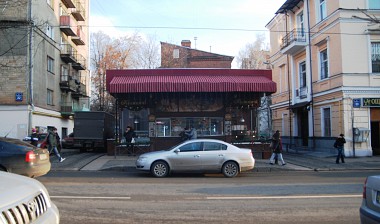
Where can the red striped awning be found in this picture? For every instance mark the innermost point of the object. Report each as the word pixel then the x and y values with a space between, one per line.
pixel 189 80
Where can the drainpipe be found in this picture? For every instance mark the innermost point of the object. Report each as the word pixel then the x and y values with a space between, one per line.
pixel 311 73
pixel 289 91
pixel 30 68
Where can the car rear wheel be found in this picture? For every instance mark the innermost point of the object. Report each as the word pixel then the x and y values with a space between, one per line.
pixel 230 169
pixel 159 169
pixel 3 168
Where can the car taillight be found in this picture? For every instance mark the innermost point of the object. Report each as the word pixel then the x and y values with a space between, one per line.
pixel 365 188
pixel 30 157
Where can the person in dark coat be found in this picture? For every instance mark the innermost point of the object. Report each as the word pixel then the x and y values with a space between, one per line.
pixel 339 145
pixel 129 135
pixel 192 133
pixel 276 147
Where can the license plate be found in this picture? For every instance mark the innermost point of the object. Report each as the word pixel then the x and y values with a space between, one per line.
pixel 43 157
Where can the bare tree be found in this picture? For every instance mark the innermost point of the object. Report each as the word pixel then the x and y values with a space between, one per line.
pixel 254 55
pixel 117 53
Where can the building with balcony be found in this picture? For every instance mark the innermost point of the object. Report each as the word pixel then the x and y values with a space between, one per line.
pixel 44 49
pixel 325 58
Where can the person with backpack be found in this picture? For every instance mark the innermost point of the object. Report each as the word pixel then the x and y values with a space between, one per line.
pixel 52 144
pixel 339 145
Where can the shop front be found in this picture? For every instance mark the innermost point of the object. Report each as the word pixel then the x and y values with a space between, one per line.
pixel 160 103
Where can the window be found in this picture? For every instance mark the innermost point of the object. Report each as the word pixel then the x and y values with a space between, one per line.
pixel 213 146
pixel 324 64
pixel 50 64
pixel 322 10
pixel 191 147
pixel 176 53
pixel 326 122
pixel 49 97
pixel 302 68
pixel 49 31
pixel 64 73
pixel 375 56
pixel 301 25
pixel 373 4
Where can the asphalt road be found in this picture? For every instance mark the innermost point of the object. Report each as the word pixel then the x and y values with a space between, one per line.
pixel 262 197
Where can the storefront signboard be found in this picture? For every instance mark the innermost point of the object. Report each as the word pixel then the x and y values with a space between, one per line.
pixel 371 102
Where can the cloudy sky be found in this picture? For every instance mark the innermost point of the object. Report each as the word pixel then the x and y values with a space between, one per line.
pixel 219 26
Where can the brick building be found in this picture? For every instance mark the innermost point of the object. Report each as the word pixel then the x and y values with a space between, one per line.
pixel 175 56
pixel 43 64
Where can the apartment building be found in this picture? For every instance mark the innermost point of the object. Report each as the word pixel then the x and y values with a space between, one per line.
pixel 325 56
pixel 44 78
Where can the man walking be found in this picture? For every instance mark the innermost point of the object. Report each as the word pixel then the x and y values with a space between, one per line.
pixel 52 142
pixel 339 145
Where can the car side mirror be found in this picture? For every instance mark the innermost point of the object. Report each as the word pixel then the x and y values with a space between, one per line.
pixel 177 150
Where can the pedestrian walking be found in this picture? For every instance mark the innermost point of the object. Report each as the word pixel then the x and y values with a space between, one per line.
pixel 339 145
pixel 130 136
pixel 276 147
pixel 52 144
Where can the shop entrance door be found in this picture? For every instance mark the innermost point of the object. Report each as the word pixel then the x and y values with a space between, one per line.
pixel 303 126
pixel 375 136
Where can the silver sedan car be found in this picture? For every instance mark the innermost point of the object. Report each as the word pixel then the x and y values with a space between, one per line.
pixel 198 155
pixel 370 208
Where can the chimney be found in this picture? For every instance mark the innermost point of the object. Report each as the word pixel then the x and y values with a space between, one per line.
pixel 186 43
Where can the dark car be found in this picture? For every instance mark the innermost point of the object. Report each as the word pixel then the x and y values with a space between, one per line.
pixel 20 157
pixel 68 141
pixel 370 208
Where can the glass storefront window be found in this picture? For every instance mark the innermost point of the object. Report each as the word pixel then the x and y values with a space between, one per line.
pixel 205 126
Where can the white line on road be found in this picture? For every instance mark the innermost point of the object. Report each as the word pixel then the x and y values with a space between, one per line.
pixel 89 197
pixel 286 197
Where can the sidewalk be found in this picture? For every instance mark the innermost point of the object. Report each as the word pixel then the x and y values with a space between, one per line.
pixel 295 161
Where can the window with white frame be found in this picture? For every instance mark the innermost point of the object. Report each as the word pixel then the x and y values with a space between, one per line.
pixel 49 97
pixel 49 31
pixel 302 74
pixel 324 69
pixel 326 122
pixel 50 64
pixel 373 4
pixel 301 25
pixel 322 9
pixel 375 57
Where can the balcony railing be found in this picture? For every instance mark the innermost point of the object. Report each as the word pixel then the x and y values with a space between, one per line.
pixel 68 83
pixel 69 108
pixel 79 38
pixel 68 53
pixel 302 92
pixel 80 63
pixel 67 25
pixel 79 12
pixel 293 41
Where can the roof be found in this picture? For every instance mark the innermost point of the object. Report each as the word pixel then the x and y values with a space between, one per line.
pixel 189 80
pixel 288 5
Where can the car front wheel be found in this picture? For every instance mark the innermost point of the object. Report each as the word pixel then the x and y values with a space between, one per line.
pixel 160 169
pixel 230 169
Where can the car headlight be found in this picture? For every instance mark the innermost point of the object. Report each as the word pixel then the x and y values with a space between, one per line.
pixel 142 159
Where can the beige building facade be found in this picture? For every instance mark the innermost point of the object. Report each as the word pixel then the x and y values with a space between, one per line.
pixel 44 51
pixel 325 56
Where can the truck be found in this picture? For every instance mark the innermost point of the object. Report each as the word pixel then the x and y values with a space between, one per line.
pixel 92 129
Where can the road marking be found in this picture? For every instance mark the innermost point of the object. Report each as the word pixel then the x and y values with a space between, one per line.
pixel 90 197
pixel 286 197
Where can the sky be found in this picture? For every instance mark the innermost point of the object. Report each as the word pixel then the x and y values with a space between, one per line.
pixel 220 26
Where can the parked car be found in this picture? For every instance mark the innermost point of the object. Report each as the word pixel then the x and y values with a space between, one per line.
pixel 25 200
pixel 198 155
pixel 370 208
pixel 41 139
pixel 20 157
pixel 68 141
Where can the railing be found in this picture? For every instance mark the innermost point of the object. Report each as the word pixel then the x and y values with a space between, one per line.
pixel 296 35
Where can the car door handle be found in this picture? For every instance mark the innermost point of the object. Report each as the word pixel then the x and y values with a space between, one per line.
pixel 197 156
pixel 221 155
